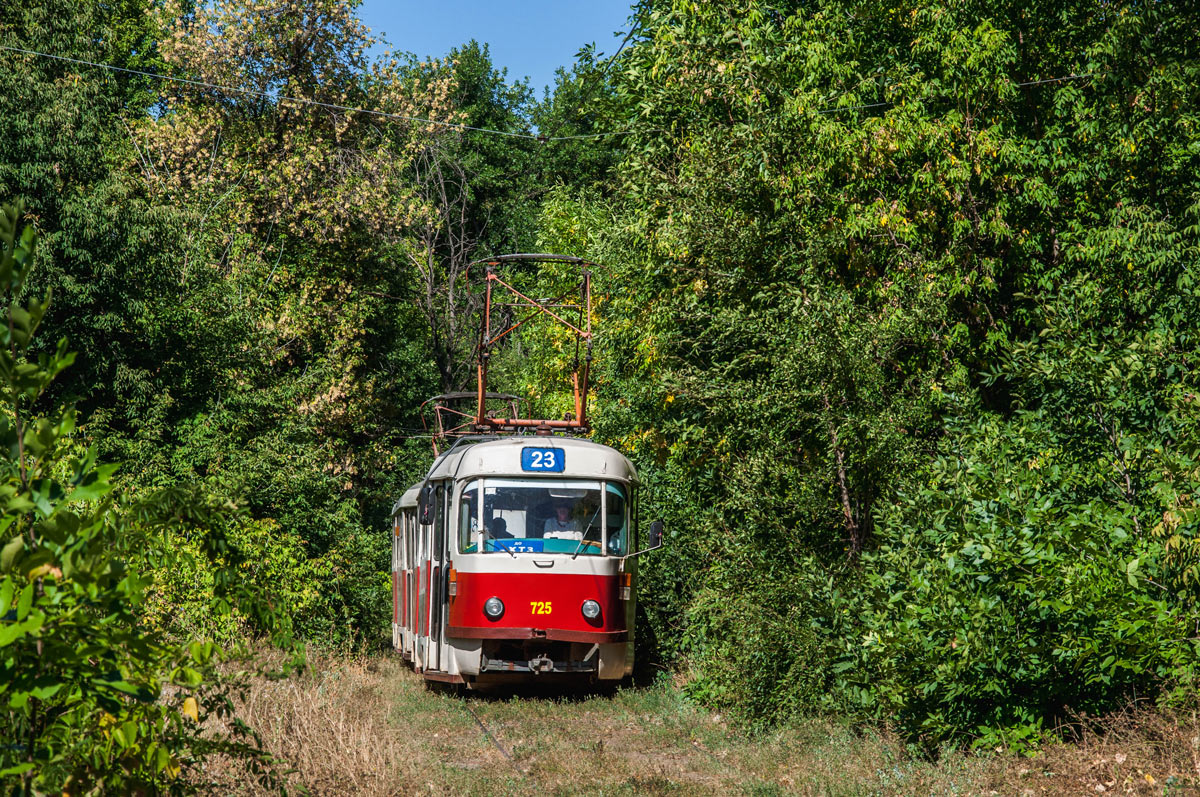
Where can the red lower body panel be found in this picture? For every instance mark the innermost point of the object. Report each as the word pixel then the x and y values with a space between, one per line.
pixel 538 605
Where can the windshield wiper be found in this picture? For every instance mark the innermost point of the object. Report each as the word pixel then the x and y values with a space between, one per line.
pixel 583 538
pixel 496 546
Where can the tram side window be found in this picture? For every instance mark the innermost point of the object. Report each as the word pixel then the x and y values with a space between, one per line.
pixel 617 513
pixel 439 522
pixel 468 518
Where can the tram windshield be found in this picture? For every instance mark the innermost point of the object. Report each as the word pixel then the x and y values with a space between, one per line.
pixel 571 516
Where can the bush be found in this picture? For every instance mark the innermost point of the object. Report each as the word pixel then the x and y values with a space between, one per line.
pixel 757 641
pixel 1013 590
pixel 92 697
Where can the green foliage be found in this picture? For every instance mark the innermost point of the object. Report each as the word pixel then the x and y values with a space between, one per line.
pixel 752 639
pixel 278 366
pixel 583 104
pixel 106 249
pixel 1014 588
pixel 92 698
pixel 497 169
pixel 880 298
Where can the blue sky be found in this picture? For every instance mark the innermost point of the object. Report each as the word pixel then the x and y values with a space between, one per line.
pixel 531 38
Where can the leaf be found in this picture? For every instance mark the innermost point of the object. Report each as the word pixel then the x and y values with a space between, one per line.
pixel 46 692
pixel 24 602
pixel 9 552
pixel 162 759
pixel 94 487
pixel 11 632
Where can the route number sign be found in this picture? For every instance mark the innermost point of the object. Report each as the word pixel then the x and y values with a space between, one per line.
pixel 543 460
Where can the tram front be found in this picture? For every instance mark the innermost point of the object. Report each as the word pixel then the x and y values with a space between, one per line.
pixel 542 582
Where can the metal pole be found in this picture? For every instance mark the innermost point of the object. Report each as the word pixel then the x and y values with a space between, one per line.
pixel 484 346
pixel 582 390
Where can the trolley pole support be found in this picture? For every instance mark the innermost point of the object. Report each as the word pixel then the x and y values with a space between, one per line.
pixel 485 345
pixel 454 414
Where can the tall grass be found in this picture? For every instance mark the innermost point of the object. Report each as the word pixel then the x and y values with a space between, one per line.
pixel 369 726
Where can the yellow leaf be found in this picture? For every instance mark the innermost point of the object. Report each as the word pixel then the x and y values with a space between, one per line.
pixel 191 709
pixel 43 571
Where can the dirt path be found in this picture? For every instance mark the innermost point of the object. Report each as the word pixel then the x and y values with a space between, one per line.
pixel 371 727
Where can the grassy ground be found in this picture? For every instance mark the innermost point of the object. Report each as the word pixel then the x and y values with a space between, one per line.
pixel 371 727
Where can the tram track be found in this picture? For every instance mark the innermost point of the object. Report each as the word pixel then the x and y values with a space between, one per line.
pixel 493 738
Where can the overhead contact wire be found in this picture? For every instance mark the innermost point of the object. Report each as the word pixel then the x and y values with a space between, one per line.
pixel 419 120
pixel 269 96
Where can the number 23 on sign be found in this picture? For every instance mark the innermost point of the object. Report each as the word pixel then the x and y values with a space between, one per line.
pixel 539 607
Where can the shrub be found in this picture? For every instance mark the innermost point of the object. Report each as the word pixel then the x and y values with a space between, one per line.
pixel 1013 590
pixel 92 697
pixel 756 641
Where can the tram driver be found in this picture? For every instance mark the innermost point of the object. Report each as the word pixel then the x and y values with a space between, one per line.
pixel 561 526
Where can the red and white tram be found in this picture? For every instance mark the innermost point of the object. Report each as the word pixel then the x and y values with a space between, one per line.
pixel 515 557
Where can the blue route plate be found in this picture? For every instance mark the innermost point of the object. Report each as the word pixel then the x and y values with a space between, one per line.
pixel 543 460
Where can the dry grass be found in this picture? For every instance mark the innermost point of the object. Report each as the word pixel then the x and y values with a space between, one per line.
pixel 331 728
pixel 1140 751
pixel 371 727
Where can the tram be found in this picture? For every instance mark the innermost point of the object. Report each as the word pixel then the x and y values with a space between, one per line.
pixel 516 556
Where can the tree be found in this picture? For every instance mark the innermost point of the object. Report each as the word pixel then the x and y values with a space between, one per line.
pixel 300 216
pixel 477 187
pixel 105 244
pixel 91 696
pixel 852 243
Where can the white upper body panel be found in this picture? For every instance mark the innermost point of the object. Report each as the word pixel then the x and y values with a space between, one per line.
pixel 582 459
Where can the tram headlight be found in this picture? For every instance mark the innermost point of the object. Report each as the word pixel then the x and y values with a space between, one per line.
pixel 591 609
pixel 493 608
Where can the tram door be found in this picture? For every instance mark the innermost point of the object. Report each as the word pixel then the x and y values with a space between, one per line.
pixel 410 581
pixel 396 570
pixel 437 566
pixel 421 574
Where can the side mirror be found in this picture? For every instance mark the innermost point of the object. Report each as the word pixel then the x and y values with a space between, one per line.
pixel 656 530
pixel 425 505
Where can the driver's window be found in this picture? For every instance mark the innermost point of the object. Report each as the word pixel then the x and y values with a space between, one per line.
pixel 617 515
pixel 468 519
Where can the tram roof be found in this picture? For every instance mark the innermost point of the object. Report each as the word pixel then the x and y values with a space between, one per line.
pixel 502 457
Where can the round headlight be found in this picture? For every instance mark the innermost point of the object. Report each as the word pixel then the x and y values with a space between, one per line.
pixel 493 608
pixel 591 609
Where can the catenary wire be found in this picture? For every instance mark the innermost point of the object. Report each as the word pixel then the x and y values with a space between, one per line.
pixel 303 101
pixel 419 120
pixel 268 96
